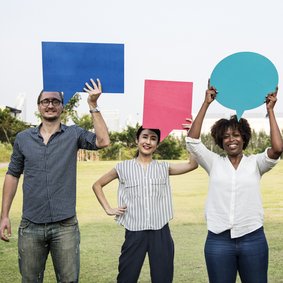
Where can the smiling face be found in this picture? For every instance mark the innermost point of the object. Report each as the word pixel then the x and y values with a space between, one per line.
pixel 233 142
pixel 50 106
pixel 224 128
pixel 147 142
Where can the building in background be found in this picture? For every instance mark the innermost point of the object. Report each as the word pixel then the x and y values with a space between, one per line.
pixel 258 121
pixel 112 119
pixel 18 109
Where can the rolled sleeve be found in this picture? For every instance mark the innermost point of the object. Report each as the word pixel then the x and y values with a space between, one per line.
pixel 87 139
pixel 201 153
pixel 16 165
pixel 265 163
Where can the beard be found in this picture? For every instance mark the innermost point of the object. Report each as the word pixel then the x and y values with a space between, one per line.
pixel 50 119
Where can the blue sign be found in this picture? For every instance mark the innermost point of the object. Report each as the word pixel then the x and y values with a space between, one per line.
pixel 68 65
pixel 243 80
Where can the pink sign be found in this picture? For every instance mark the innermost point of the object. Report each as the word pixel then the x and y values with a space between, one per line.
pixel 167 104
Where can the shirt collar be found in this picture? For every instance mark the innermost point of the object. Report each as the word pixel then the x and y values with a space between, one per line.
pixel 36 130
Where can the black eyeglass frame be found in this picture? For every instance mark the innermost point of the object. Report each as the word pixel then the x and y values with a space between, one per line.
pixel 45 102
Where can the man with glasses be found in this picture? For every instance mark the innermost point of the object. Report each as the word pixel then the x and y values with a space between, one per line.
pixel 47 156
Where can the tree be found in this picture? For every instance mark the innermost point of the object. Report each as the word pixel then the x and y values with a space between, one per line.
pixel 69 112
pixel 170 148
pixel 128 136
pixel 123 146
pixel 85 122
pixel 10 126
pixel 258 143
pixel 210 144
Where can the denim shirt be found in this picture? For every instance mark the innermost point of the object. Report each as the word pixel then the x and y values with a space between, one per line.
pixel 49 184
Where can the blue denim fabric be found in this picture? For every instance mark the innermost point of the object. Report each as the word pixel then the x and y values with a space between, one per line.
pixel 61 239
pixel 247 255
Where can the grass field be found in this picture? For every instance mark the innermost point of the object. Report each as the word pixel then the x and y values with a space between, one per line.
pixel 101 237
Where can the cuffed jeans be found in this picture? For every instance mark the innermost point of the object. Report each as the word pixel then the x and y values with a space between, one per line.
pixel 61 239
pixel 247 255
pixel 160 248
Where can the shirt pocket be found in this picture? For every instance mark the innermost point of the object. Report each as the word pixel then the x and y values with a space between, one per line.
pixel 132 189
pixel 158 187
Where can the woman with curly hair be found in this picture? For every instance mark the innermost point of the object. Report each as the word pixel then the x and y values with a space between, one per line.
pixel 235 241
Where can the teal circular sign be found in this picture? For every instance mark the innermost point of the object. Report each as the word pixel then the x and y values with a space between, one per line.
pixel 243 80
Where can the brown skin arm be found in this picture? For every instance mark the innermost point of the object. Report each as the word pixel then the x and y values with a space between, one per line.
pixel 275 136
pixel 195 130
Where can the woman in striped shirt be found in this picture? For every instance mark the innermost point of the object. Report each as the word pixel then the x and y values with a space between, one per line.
pixel 144 209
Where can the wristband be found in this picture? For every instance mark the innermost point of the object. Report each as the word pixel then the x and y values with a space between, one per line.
pixel 94 110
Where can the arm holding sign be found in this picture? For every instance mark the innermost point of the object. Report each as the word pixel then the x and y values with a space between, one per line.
pixel 228 175
pixel 276 139
pixel 182 168
pixel 195 130
pixel 100 128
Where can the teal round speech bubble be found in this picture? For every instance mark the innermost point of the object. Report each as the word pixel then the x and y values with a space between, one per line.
pixel 243 80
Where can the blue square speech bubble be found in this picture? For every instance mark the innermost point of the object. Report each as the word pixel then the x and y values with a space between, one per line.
pixel 68 65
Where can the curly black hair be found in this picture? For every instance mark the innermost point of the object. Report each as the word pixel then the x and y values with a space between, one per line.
pixel 221 126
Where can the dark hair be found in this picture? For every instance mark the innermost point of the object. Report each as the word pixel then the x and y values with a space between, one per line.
pixel 221 126
pixel 61 94
pixel 156 131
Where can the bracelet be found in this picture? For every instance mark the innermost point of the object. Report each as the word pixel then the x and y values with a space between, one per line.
pixel 94 110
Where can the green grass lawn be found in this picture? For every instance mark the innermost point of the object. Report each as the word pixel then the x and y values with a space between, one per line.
pixel 101 237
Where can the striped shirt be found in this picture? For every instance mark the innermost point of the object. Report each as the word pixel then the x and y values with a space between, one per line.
pixel 146 193
pixel 49 185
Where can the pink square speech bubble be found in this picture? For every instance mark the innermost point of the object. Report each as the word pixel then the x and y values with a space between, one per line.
pixel 167 104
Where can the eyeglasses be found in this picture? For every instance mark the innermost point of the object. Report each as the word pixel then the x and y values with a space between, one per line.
pixel 54 102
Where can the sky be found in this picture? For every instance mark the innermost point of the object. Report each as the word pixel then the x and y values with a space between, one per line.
pixel 180 40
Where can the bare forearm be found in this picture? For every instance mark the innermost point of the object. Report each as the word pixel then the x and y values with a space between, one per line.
pixel 275 135
pixel 9 191
pixel 195 130
pixel 101 131
pixel 94 90
pixel 101 197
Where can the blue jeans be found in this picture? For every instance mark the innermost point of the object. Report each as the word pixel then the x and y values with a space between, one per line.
pixel 61 239
pixel 247 255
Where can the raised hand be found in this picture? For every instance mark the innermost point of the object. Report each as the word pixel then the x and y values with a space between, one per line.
pixel 271 99
pixel 94 92
pixel 210 93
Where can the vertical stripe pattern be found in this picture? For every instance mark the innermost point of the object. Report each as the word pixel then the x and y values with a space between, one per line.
pixel 146 193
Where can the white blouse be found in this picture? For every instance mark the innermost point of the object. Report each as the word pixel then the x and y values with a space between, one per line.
pixel 234 199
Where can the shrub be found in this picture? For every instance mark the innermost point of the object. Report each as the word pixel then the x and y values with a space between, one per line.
pixel 5 152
